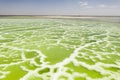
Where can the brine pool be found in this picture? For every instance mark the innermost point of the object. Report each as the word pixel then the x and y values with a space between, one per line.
pixel 59 49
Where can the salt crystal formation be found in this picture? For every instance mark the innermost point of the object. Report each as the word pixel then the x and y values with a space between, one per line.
pixel 57 49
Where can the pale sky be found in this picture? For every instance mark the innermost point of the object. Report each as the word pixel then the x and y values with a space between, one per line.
pixel 60 7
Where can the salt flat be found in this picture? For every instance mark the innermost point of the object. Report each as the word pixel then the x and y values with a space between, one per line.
pixel 59 49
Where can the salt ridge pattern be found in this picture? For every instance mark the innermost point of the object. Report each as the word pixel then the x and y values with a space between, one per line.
pixel 57 49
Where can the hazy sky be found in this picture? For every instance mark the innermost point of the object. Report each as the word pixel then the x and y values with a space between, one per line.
pixel 59 7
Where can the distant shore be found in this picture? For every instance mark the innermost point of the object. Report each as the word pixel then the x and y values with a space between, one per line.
pixel 53 16
pixel 76 17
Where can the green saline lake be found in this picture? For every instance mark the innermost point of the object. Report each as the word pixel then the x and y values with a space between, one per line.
pixel 59 48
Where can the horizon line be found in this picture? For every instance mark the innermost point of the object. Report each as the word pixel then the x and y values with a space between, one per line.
pixel 70 15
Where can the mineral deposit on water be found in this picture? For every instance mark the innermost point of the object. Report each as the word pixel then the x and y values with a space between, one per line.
pixel 57 49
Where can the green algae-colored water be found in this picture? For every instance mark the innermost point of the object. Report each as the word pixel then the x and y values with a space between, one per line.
pixel 59 49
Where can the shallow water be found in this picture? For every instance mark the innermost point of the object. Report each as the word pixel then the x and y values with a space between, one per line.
pixel 59 49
